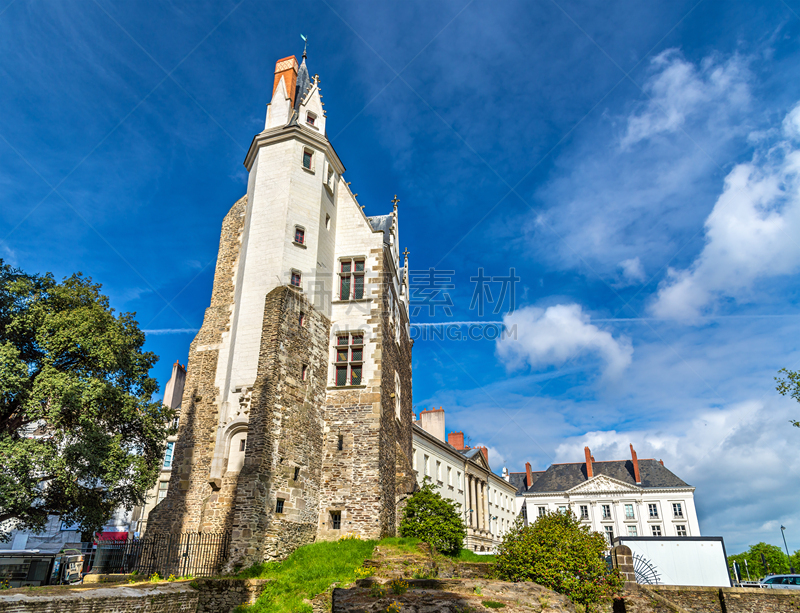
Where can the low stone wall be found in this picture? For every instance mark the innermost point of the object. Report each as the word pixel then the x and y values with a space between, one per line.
pixel 197 596
pixel 143 598
pixel 224 595
pixel 729 599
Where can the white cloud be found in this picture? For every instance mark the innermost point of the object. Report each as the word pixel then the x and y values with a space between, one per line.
pixel 559 333
pixel 679 88
pixel 750 234
pixel 632 270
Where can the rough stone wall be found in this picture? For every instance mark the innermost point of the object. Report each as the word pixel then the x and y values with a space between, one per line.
pixel 284 438
pixel 365 480
pixel 729 600
pixel 192 505
pixel 224 595
pixel 165 598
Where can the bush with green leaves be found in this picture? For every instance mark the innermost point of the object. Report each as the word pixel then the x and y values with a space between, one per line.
pixel 560 553
pixel 434 519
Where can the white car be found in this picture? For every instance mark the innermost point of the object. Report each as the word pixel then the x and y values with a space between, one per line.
pixel 790 582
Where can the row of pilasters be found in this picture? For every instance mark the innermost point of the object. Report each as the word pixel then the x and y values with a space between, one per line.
pixel 478 519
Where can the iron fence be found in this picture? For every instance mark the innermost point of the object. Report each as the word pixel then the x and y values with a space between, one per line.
pixel 195 554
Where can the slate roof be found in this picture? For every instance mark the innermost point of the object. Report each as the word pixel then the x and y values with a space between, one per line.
pixel 382 223
pixel 519 480
pixel 563 477
pixel 303 85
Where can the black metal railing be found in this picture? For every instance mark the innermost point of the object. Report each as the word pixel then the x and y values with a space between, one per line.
pixel 195 554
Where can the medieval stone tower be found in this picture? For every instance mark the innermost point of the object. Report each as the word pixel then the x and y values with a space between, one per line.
pixel 296 414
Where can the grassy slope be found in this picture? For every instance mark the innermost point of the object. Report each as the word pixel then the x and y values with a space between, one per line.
pixel 468 556
pixel 307 572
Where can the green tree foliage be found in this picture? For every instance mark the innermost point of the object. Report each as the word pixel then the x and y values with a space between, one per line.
pixel 560 553
pixel 79 434
pixel 789 385
pixel 777 562
pixel 434 520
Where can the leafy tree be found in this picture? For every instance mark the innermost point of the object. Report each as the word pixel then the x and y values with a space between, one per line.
pixel 789 386
pixel 560 553
pixel 774 555
pixel 434 519
pixel 79 434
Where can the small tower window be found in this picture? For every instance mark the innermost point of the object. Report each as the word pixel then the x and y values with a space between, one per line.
pixel 299 235
pixel 311 119
pixel 296 472
pixel 296 280
pixel 336 520
pixel 304 372
pixel 340 443
pixel 327 222
pixel 308 159
pixel 279 505
pixel 302 319
pixel 243 444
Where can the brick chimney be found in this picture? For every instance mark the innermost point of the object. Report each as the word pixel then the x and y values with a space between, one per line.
pixel 286 68
pixel 529 474
pixel 635 461
pixel 485 452
pixel 589 460
pixel 456 439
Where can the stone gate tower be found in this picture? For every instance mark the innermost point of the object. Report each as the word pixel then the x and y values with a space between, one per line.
pixel 296 414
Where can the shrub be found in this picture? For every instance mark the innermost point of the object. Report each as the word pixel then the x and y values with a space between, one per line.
pixel 560 553
pixel 398 586
pixel 434 519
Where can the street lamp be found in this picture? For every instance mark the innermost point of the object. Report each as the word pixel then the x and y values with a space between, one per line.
pixel 783 534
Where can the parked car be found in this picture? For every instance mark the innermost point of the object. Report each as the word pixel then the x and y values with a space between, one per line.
pixel 791 582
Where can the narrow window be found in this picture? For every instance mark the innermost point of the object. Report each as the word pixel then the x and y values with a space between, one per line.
pixel 243 444
pixel 656 530
pixel 562 509
pixel 296 279
pixel 308 157
pixel 458 479
pixel 302 319
pixel 438 470
pixel 677 509
pixel 606 511
pixel 296 472
pixel 449 476
pixel 304 372
pixel 336 520
pixel 609 534
pixel 162 491
pixel 168 455
pixel 427 468
pixel 299 236
pixel 653 510
pixel 340 443
pixel 629 512
pixel 584 511
pixel 329 179
pixel 311 118
pixel 542 511
pixel 632 531
pixel 327 222
pixel 279 506
pixel 681 530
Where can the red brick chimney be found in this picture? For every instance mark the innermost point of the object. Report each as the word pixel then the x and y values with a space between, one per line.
pixel 286 68
pixel 485 452
pixel 456 439
pixel 589 460
pixel 529 474
pixel 635 461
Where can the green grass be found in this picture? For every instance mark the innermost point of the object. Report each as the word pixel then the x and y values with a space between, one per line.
pixel 403 545
pixel 469 556
pixel 492 604
pixel 307 572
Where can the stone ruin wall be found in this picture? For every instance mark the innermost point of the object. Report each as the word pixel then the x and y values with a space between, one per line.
pixel 191 504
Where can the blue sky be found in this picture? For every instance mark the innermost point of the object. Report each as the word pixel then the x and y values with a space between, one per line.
pixel 635 163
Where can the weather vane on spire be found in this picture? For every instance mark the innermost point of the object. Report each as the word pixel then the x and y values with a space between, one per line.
pixel 305 45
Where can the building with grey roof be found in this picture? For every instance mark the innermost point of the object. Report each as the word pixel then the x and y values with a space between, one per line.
pixel 618 498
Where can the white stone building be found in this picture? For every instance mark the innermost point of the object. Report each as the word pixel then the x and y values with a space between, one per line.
pixel 463 475
pixel 617 498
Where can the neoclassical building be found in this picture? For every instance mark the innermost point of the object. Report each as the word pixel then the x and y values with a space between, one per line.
pixel 616 498
pixel 463 475
pixel 296 410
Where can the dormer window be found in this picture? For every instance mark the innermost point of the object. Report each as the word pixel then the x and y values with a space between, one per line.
pixel 299 235
pixel 311 119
